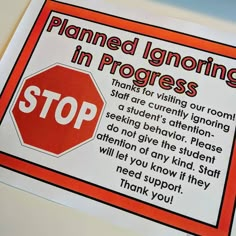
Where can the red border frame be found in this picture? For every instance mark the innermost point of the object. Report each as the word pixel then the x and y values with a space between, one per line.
pixel 95 192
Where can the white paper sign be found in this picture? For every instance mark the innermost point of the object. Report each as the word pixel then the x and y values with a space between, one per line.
pixel 132 115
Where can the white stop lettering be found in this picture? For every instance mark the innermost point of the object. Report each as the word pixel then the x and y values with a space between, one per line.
pixel 87 111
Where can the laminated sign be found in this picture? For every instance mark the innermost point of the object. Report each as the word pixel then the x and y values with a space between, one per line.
pixel 135 117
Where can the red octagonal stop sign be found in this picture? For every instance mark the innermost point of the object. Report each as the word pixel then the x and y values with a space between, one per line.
pixel 57 109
